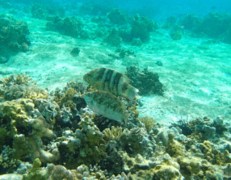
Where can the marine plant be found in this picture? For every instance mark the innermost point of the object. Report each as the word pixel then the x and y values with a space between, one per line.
pixel 123 53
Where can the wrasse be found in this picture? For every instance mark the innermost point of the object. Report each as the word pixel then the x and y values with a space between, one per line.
pixel 111 81
pixel 107 105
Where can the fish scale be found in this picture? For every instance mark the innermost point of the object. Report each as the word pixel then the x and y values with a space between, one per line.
pixel 111 81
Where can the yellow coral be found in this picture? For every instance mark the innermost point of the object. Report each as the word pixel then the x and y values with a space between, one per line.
pixel 148 122
pixel 166 172
pixel 19 79
pixel 175 148
pixel 113 133
pixel 15 109
pixel 213 155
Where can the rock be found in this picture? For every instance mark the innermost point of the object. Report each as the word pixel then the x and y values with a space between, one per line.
pixel 75 51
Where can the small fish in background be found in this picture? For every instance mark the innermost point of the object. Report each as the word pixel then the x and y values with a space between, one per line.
pixel 111 81
pixel 107 105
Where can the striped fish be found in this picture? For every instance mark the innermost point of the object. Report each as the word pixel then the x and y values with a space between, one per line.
pixel 107 105
pixel 111 81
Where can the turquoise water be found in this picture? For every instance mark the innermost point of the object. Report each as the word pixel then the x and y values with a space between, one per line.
pixel 180 121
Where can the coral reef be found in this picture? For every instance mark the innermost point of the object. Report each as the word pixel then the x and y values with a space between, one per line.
pixel 26 127
pixel 139 31
pixel 23 127
pixel 213 25
pixel 55 136
pixel 146 81
pixel 70 26
pixel 116 17
pixel 113 38
pixel 13 37
pixel 203 128
pixel 20 86
pixel 141 28
pixel 176 33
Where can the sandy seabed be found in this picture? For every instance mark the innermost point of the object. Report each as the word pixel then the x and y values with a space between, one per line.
pixel 196 73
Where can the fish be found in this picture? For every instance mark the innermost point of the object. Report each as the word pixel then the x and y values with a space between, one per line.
pixel 106 104
pixel 111 81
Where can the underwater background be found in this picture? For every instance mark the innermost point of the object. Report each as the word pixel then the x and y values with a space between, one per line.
pixel 55 123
